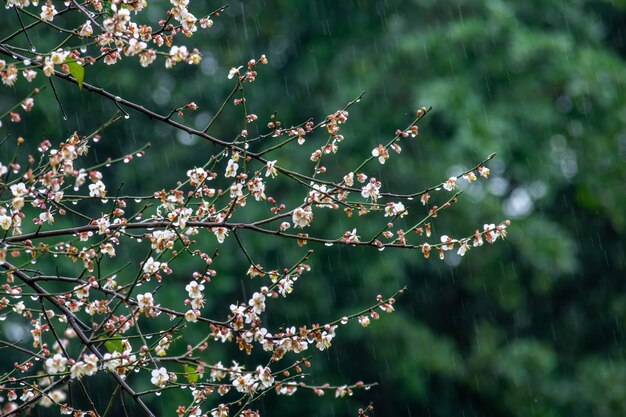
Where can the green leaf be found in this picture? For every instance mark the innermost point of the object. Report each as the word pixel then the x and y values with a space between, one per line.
pixel 77 71
pixel 114 345
pixel 191 374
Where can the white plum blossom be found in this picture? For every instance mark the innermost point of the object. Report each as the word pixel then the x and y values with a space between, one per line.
pixel 231 168
pixel 395 209
pixel 463 248
pixel 448 242
pixel 257 302
pixel 220 233
pixel 270 169
pixel 48 12
pixel 19 190
pixel 151 266
pixel 192 316
pixel 88 366
pixel 233 71
pixel 371 189
pixel 5 222
pixel 97 189
pixel 160 377
pixel 145 301
pixel 302 217
pixel 484 171
pixel 85 30
pixel 450 184
pixel 194 289
pixel 56 364
pixel 381 153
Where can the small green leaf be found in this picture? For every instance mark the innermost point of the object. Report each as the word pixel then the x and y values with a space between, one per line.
pixel 191 374
pixel 77 71
pixel 114 345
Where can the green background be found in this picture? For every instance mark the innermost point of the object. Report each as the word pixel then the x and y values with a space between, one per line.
pixel 533 325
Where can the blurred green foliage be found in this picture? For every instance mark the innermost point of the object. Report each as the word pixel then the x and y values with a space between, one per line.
pixel 530 326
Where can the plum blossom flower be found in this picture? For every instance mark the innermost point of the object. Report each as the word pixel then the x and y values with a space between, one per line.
pixel 271 169
pixel 450 184
pixel 484 171
pixel 371 189
pixel 469 177
pixel 88 366
pixel 194 289
pixel 85 30
pixel 48 12
pixel 5 222
pixel 56 364
pixel 56 396
pixel 220 411
pixel 151 266
pixel 197 176
pixel 160 377
pixel 231 168
pixel 264 376
pixel 220 233
pixel 19 190
pixel 381 153
pixel 145 301
pixel 192 316
pixel 257 302
pixel 395 209
pixel 448 242
pixel 351 237
pixel 233 71
pixel 302 217
pixel 463 248
pixel 97 190
pixel 48 67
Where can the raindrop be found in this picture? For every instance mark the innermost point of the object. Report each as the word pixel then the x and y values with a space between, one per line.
pixel 138 200
pixel 34 297
pixel 328 244
pixel 118 98
pixel 127 116
pixel 158 393
pixel 64 117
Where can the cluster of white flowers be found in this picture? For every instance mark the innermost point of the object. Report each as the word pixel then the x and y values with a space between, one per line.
pixel 88 366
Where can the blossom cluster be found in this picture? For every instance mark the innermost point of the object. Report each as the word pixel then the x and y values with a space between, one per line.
pixel 89 317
